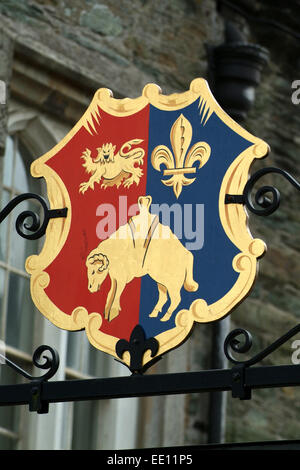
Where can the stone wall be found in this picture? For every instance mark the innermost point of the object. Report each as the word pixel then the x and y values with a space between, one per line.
pixel 121 45
pixel 273 306
pixel 83 45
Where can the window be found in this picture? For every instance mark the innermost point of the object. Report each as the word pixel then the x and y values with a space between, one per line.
pixel 83 360
pixel 16 307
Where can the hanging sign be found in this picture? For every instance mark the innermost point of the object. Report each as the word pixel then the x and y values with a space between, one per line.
pixel 148 239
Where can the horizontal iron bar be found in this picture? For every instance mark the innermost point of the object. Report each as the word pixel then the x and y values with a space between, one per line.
pixel 57 213
pixel 234 199
pixel 150 385
pixel 139 385
pixel 119 387
pixel 272 376
pixel 19 394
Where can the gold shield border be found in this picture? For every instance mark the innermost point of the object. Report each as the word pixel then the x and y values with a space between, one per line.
pixel 233 218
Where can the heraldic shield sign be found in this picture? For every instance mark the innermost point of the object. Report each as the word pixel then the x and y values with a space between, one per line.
pixel 148 239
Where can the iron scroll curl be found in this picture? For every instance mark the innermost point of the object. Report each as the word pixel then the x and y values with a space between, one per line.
pixel 41 361
pixel 266 206
pixel 244 345
pixel 29 220
pixel 50 363
pixel 267 198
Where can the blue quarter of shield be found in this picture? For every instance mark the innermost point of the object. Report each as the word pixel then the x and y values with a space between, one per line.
pixel 200 229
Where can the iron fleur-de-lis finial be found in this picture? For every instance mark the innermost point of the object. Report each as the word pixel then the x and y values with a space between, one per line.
pixel 181 161
pixel 137 346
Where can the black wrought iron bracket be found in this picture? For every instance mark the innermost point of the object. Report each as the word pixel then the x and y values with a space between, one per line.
pixel 34 393
pixel 241 372
pixel 36 227
pixel 265 205
pixel 240 379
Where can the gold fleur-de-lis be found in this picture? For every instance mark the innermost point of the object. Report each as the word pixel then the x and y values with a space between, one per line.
pixel 181 161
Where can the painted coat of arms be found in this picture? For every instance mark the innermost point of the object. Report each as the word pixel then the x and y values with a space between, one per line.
pixel 148 239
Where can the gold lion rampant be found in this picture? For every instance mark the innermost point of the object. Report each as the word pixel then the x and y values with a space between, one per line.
pixel 113 168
